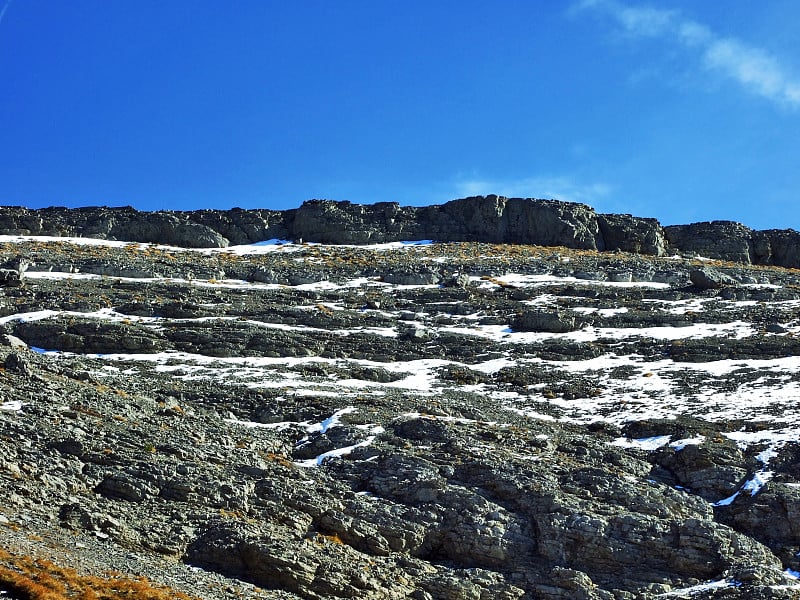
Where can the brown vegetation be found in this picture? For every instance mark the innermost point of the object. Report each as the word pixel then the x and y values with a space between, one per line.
pixel 29 578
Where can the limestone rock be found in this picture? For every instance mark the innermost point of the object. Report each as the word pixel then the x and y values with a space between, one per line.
pixel 710 279
pixel 632 234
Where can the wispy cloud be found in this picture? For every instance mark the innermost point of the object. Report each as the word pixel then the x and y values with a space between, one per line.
pixel 754 69
pixel 560 188
pixel 4 9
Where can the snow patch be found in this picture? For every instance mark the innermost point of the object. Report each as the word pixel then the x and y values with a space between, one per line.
pixel 319 460
pixel 648 443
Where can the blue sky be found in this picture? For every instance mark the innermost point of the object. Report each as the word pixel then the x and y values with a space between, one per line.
pixel 683 111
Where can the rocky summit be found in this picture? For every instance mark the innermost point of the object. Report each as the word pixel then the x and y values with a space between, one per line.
pixel 489 399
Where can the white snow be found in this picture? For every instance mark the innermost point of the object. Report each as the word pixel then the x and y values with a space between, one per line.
pixel 648 443
pixel 319 460
pixel 27 317
pixel 332 421
pixel 322 427
pixel 11 406
pixel 703 587
pixel 603 312
pixel 504 333
pixel 679 445
pixel 81 241
pixel 523 280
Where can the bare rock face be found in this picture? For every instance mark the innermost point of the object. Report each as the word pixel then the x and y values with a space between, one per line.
pixel 724 240
pixel 549 321
pixel 496 219
pixel 332 222
pixel 460 420
pixel 167 229
pixel 784 247
pixel 490 219
pixel 197 229
pixel 632 234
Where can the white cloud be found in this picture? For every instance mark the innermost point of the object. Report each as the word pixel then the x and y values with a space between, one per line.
pixel 559 188
pixel 752 68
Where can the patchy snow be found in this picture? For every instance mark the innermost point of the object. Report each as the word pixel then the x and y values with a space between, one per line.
pixel 395 245
pixel 279 426
pixel 410 416
pixel 264 247
pixel 322 427
pixel 332 421
pixel 648 443
pixel 757 482
pixel 56 275
pixel 11 406
pixel 679 445
pixel 504 333
pixel 603 312
pixel 319 460
pixel 775 437
pixel 523 280
pixel 703 587
pixel 80 241
pixel 28 317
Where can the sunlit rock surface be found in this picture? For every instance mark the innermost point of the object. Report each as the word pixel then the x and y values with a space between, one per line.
pixel 403 420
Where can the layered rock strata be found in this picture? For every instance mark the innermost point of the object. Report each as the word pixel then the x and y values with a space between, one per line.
pixel 492 219
pixel 441 421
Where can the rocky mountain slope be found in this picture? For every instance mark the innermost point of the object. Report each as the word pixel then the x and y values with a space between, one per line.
pixel 449 420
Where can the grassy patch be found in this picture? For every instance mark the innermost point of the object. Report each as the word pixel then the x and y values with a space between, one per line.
pixel 38 579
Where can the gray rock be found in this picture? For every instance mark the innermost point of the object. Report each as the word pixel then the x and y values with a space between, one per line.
pixel 784 246
pixel 632 234
pixel 15 363
pixel 492 219
pixel 724 240
pixel 550 321
pixel 10 278
pixel 412 277
pixel 710 279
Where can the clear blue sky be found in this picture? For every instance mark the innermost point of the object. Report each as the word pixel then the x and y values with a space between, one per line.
pixel 680 110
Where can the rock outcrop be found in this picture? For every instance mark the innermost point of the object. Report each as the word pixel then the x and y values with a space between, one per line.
pixel 489 219
pixel 436 421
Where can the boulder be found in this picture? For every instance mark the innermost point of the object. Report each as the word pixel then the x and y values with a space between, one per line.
pixel 710 279
pixel 412 277
pixel 549 321
pixel 10 278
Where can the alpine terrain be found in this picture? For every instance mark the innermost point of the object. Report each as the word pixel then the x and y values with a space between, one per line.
pixel 490 398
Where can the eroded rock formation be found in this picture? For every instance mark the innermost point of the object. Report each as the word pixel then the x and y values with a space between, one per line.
pixel 492 219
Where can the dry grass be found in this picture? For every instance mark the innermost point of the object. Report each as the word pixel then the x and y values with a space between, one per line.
pixel 27 578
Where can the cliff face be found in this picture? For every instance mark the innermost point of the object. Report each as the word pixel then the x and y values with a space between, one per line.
pixel 492 219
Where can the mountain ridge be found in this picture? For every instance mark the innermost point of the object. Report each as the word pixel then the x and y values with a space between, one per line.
pixel 492 219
